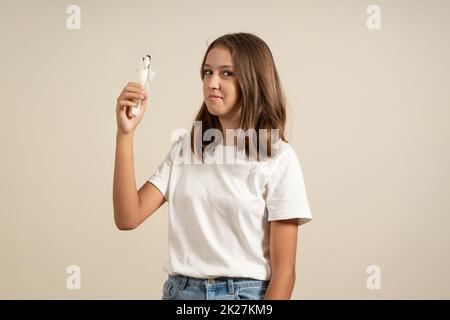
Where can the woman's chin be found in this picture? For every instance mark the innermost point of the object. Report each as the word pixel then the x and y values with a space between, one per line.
pixel 214 110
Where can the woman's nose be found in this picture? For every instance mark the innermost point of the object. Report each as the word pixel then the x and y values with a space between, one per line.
pixel 214 82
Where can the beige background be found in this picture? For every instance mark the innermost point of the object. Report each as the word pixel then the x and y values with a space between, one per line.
pixel 368 118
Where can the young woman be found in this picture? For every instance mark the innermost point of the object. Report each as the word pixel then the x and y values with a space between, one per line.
pixel 232 225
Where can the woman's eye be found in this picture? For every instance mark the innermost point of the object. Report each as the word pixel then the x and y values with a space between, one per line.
pixel 225 73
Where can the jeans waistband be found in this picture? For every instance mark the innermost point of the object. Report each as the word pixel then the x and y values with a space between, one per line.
pixel 230 282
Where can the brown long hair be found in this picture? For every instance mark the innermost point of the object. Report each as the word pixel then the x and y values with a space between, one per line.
pixel 262 98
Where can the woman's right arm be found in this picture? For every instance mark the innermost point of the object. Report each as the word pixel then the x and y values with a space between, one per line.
pixel 131 207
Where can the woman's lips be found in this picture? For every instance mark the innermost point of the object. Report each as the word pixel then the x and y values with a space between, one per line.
pixel 214 98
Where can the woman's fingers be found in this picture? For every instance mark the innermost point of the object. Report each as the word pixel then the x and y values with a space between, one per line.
pixel 134 87
pixel 131 95
pixel 127 103
pixel 134 84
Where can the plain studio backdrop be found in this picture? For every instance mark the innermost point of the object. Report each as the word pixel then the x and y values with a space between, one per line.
pixel 368 114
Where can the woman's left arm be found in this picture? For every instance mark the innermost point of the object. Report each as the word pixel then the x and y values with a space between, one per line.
pixel 283 249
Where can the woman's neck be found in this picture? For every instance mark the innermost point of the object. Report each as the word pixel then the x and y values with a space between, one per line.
pixel 229 123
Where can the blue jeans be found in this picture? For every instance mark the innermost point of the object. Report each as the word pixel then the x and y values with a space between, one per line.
pixel 179 287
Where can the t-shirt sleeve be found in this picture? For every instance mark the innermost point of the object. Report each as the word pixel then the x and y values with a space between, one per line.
pixel 161 176
pixel 286 195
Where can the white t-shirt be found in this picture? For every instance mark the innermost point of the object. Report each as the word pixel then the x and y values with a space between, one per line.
pixel 219 213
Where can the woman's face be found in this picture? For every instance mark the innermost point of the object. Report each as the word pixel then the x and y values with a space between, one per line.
pixel 219 80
